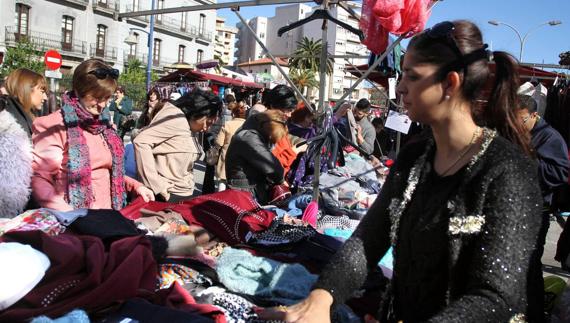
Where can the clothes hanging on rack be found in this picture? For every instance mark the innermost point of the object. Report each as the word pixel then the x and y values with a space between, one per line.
pixel 557 112
pixel 167 88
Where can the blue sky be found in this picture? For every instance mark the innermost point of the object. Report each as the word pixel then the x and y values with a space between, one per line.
pixel 542 45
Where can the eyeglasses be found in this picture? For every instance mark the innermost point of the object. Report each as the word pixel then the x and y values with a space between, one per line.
pixel 102 73
pixel 443 31
pixel 525 119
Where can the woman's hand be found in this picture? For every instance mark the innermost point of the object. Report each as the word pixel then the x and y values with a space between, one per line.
pixel 146 193
pixel 315 308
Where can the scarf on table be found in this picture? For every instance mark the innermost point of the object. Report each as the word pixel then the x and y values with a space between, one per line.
pixel 77 120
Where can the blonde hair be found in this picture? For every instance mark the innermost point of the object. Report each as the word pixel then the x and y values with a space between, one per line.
pixel 273 125
pixel 20 84
pixel 85 83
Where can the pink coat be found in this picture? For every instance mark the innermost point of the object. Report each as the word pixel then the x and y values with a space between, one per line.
pixel 49 182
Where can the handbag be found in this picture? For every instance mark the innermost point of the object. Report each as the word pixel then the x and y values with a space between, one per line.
pixel 212 155
pixel 279 193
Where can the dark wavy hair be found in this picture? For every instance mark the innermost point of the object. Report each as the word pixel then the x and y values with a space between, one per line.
pixel 499 111
pixel 280 97
pixel 198 104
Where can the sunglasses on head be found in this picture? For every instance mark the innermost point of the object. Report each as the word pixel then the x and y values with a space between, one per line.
pixel 102 73
pixel 443 32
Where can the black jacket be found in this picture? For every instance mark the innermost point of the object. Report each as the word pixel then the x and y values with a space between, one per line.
pixel 249 159
pixel 552 155
pixel 487 263
pixel 13 106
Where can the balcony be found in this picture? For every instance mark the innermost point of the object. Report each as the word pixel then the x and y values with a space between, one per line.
pixel 77 4
pixel 139 56
pixel 44 41
pixel 174 27
pixel 139 20
pixel 108 54
pixel 106 7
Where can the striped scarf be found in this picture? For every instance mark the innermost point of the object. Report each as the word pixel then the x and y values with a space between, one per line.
pixel 77 120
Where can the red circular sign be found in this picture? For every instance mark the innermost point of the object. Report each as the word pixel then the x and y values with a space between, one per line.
pixel 52 59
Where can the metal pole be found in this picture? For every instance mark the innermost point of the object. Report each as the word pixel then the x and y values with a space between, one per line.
pixel 299 93
pixel 203 7
pixel 321 107
pixel 150 49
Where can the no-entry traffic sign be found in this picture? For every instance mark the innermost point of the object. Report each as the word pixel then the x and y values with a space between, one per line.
pixel 52 59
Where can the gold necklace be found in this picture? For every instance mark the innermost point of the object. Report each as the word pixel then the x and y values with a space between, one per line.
pixel 476 134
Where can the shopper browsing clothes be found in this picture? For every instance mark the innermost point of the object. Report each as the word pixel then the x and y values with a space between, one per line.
pixel 461 207
pixel 225 137
pixel 250 165
pixel 78 156
pixel 364 130
pixel 121 107
pixel 168 147
pixel 27 92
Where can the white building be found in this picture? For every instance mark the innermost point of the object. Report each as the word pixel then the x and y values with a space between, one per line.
pixel 247 48
pixel 80 29
pixel 340 42
pixel 262 68
pixel 225 41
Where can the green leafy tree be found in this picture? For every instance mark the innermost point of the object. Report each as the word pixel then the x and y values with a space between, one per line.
pixel 23 55
pixel 307 56
pixel 133 79
pixel 304 79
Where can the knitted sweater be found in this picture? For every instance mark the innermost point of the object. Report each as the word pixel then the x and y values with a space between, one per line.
pixel 493 229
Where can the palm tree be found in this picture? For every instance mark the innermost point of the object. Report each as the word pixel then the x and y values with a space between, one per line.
pixel 303 79
pixel 307 56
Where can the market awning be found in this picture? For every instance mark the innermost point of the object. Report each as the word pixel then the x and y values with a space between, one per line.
pixel 187 75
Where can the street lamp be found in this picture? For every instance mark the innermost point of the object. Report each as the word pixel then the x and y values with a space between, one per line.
pixel 522 39
pixel 132 40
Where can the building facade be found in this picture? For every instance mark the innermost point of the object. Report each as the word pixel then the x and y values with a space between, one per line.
pixel 81 29
pixel 247 48
pixel 225 41
pixel 340 42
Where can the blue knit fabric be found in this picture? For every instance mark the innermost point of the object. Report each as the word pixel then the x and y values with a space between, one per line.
pixel 76 316
pixel 244 273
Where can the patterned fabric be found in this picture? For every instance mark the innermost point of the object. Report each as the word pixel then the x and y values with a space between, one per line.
pixel 76 120
pixel 32 220
pixel 236 309
pixel 337 222
pixel 170 273
pixel 282 233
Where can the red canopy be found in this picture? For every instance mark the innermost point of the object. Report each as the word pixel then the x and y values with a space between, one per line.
pixel 192 75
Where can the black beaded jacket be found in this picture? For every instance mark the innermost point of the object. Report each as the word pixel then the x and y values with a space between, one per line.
pixel 495 217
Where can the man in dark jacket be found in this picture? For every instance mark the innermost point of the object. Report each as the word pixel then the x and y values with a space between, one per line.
pixel 551 150
pixel 552 156
pixel 121 107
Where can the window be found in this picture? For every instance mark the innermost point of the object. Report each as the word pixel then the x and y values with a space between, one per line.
pixel 22 20
pixel 160 6
pixel 101 36
pixel 102 3
pixel 202 24
pixel 66 32
pixel 181 50
pixel 133 47
pixel 199 55
pixel 156 52
pixel 261 35
pixel 183 22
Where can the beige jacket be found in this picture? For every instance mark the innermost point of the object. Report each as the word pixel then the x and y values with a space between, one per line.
pixel 166 151
pixel 223 140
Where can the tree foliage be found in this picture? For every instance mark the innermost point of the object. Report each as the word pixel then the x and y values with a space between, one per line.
pixel 133 79
pixel 303 79
pixel 307 56
pixel 23 55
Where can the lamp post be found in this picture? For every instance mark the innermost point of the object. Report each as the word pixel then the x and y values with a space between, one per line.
pixel 522 39
pixel 132 40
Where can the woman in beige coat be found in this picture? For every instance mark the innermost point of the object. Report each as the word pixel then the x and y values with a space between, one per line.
pixel 224 138
pixel 167 149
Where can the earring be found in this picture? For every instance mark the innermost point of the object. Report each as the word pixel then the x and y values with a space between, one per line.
pixel 447 97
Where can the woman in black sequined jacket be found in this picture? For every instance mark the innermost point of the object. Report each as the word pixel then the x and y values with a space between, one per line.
pixel 461 207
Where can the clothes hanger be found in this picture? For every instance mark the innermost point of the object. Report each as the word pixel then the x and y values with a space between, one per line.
pixel 533 79
pixel 320 14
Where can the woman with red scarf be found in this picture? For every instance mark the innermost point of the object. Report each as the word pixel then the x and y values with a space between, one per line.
pixel 78 156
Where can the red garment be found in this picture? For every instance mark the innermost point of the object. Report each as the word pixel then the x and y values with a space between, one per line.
pixel 283 150
pixel 230 215
pixel 83 275
pixel 399 17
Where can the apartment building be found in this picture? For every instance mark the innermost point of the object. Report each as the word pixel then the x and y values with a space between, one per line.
pixel 247 48
pixel 225 41
pixel 340 42
pixel 81 29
